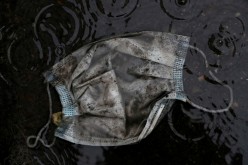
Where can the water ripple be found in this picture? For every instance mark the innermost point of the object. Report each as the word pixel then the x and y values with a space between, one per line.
pixel 181 9
pixel 23 58
pixel 111 9
pixel 65 26
pixel 223 33
pixel 186 125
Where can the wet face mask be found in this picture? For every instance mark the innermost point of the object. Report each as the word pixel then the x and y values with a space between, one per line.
pixel 115 91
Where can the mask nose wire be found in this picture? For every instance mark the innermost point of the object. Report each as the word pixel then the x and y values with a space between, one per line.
pixel 217 80
pixel 44 129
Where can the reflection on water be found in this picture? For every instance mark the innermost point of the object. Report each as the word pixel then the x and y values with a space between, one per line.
pixel 34 35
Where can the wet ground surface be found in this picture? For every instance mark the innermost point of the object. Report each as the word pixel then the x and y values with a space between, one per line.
pixel 34 35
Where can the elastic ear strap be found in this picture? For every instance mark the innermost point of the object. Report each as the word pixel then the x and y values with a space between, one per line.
pixel 201 52
pixel 43 129
pixel 217 80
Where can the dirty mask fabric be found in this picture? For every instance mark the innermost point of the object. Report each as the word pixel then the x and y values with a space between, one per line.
pixel 115 91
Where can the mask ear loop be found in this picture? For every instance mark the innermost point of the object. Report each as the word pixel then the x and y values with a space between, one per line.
pixel 217 80
pixel 43 129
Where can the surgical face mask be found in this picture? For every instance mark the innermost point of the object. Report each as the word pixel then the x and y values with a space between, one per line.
pixel 115 91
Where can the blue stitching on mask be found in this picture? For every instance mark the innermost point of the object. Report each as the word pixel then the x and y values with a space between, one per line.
pixel 178 70
pixel 68 108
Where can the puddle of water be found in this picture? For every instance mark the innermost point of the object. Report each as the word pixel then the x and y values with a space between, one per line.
pixel 35 35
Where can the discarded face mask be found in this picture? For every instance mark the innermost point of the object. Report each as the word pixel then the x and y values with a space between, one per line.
pixel 115 91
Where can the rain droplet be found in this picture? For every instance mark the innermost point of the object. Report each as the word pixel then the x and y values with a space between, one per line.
pixel 219 42
pixel 181 2
pixel 60 50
